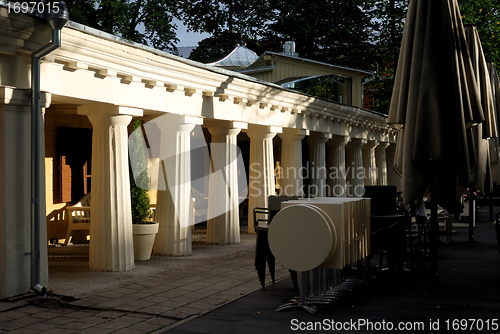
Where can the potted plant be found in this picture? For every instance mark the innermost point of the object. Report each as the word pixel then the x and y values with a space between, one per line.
pixel 144 230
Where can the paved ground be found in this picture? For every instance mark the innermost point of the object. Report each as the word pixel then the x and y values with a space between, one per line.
pixel 70 275
pixel 156 296
pixel 217 291
pixel 466 301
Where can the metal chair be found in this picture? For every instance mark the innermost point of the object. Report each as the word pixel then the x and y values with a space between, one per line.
pixel 263 253
pixel 387 225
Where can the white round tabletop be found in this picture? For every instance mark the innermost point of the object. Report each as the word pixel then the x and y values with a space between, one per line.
pixel 300 237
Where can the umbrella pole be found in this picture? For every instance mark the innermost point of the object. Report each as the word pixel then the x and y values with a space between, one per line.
pixel 434 242
pixel 472 219
pixel 491 208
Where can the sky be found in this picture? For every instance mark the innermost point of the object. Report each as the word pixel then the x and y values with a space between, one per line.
pixel 188 38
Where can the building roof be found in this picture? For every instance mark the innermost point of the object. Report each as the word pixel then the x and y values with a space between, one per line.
pixel 240 57
pixel 260 64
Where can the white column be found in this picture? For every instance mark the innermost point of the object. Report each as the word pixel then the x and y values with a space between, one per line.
pixel 336 163
pixel 173 206
pixel 354 166
pixel 291 161
pixel 15 192
pixel 111 242
pixel 261 173
pixel 369 163
pixel 381 163
pixel 223 185
pixel 317 158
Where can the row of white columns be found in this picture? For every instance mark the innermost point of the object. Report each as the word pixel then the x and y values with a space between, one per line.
pixel 111 232
pixel 367 165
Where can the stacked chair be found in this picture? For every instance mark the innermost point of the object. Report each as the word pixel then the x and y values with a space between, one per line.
pixel 318 238
pixel 387 224
pixel 261 219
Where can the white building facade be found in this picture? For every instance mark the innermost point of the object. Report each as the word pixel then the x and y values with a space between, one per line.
pixel 97 81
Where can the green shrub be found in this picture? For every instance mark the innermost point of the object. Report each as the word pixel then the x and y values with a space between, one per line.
pixel 139 197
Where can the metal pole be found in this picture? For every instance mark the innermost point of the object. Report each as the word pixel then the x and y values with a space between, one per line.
pixel 434 242
pixel 35 159
pixel 472 219
pixel 491 208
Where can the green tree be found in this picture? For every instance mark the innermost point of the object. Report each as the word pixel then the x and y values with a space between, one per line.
pixel 227 21
pixel 485 15
pixel 338 32
pixel 147 22
pixel 390 16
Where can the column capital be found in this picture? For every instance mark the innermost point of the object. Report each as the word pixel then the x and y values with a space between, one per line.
pixel 99 120
pixel 254 128
pixel 297 132
pixel 383 145
pixel 392 146
pixel 370 144
pixel 212 123
pixel 172 122
pixel 293 134
pixel 357 142
pixel 257 131
pixel 338 141
pixel 318 137
pixel 224 131
pixel 108 109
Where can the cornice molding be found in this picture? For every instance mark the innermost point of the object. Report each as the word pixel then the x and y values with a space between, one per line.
pixel 109 57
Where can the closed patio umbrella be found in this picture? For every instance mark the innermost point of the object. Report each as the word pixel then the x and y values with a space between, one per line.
pixel 478 136
pixel 495 142
pixel 483 81
pixel 435 99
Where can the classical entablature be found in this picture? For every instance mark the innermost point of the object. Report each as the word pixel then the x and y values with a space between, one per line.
pixel 95 67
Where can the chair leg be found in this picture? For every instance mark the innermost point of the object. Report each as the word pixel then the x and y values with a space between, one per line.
pixel 293 275
pixel 68 237
pixel 271 262
pixel 260 258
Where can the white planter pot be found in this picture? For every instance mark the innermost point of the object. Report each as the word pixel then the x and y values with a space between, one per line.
pixel 465 213
pixel 466 210
pixel 144 237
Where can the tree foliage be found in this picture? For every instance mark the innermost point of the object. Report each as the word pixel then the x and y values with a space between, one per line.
pixel 338 32
pixel 485 15
pixel 390 16
pixel 323 30
pixel 141 21
pixel 227 21
pixel 217 17
pixel 364 34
